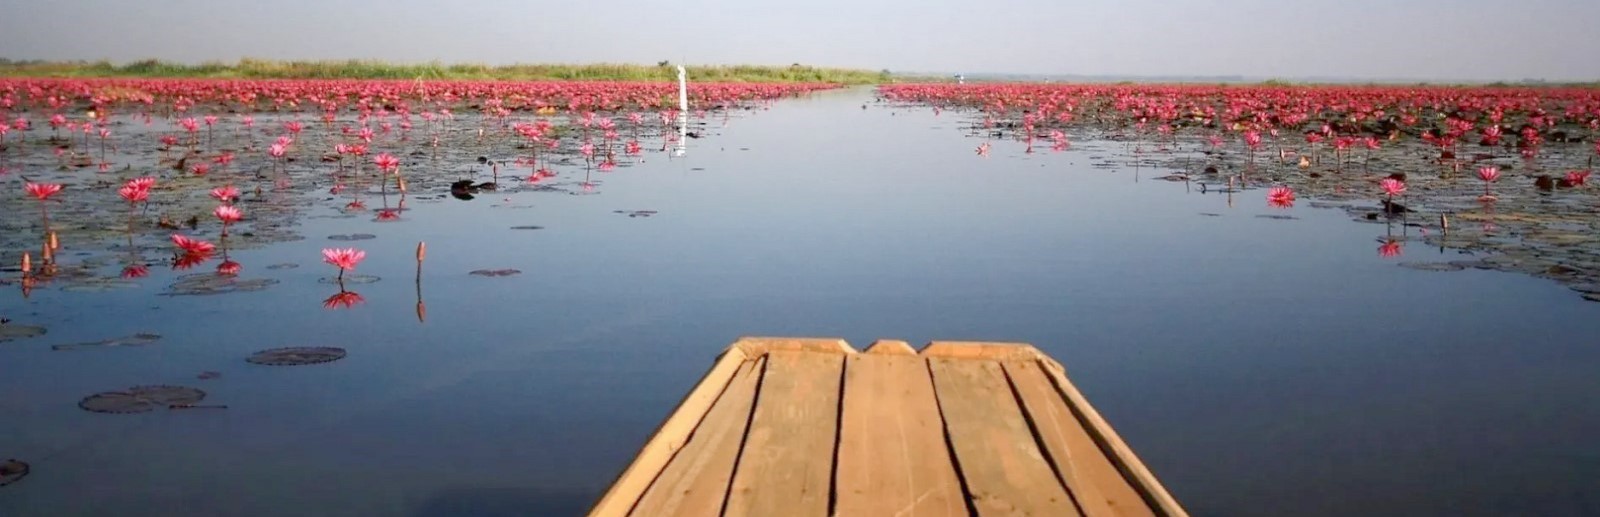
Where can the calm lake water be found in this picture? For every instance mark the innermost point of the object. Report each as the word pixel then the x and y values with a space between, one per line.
pixel 1259 366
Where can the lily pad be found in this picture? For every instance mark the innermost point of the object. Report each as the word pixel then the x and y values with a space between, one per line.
pixel 98 285
pixel 527 227
pixel 1432 266
pixel 286 265
pixel 496 272
pixel 10 332
pixel 297 356
pixel 1277 217
pixel 140 339
pixel 351 279
pixel 203 284
pixel 352 237
pixel 12 471
pixel 140 399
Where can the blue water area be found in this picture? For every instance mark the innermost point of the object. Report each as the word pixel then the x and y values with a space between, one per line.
pixel 1259 366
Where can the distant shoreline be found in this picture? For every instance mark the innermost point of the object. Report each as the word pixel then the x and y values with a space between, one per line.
pixel 368 69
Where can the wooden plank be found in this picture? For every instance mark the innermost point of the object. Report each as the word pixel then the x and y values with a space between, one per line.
pixel 1133 469
pixel 1004 471
pixel 695 483
pixel 892 455
pixel 671 436
pixel 787 462
pixel 754 347
pixel 995 351
pixel 1089 475
pixel 891 347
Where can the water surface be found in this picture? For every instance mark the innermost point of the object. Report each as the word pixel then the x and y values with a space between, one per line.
pixel 1259 366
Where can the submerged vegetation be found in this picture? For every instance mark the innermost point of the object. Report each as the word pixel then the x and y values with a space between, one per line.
pixel 369 69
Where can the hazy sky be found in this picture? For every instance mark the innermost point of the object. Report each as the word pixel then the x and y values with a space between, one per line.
pixel 1424 39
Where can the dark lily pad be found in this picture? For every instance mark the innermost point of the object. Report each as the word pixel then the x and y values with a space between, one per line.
pixel 140 339
pixel 12 471
pixel 351 279
pixel 285 265
pixel 635 213
pixel 352 237
pixel 297 356
pixel 140 399
pixel 1277 217
pixel 10 332
pixel 203 284
pixel 98 285
pixel 496 272
pixel 1432 266
pixel 527 227
pixel 208 375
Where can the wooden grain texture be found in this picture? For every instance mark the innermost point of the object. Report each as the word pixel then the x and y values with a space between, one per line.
pixel 1088 473
pixel 994 351
pixel 890 347
pixel 892 455
pixel 787 462
pixel 695 482
pixel 671 436
pixel 1005 472
pixel 754 347
pixel 1133 469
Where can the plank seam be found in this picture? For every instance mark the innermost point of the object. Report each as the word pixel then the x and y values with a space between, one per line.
pixel 949 445
pixel 838 436
pixel 1101 442
pixel 755 401
pixel 1038 440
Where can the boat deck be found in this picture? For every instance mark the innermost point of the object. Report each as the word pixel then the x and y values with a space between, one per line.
pixel 788 427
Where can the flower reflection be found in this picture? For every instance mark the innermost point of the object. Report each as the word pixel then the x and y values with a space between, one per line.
pixel 189 260
pixel 388 215
pixel 1389 249
pixel 136 271
pixel 343 300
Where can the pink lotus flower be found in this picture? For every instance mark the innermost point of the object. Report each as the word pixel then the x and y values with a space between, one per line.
pixel 345 259
pixel 226 194
pixel 277 150
pixel 133 194
pixel 1489 174
pixel 1577 178
pixel 229 268
pixel 386 162
pixel 42 191
pixel 1393 187
pixel 142 183
pixel 983 149
pixel 193 246
pixel 201 169
pixel 228 214
pixel 1280 197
